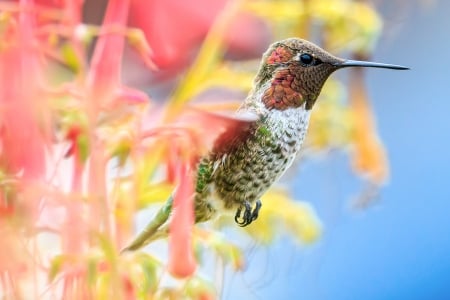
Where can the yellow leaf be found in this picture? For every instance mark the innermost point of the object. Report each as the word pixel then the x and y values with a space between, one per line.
pixel 281 214
pixel 154 193
pixel 278 11
pixel 207 59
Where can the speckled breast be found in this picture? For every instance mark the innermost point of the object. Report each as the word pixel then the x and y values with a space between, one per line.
pixel 257 161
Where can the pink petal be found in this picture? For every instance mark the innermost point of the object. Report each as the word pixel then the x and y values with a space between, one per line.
pixel 182 262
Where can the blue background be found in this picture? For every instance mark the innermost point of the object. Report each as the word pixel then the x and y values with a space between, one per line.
pixel 399 248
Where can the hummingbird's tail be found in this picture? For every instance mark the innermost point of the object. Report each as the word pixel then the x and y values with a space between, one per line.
pixel 153 230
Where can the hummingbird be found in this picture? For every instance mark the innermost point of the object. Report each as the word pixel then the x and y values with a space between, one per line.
pixel 247 159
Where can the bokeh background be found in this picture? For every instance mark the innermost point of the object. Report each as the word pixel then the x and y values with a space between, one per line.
pixel 395 248
pixel 398 248
pixel 95 106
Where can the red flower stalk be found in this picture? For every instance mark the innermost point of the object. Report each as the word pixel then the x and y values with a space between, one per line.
pixel 103 83
pixel 21 135
pixel 182 262
pixel 104 77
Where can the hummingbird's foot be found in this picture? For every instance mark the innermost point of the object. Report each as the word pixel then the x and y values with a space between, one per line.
pixel 255 212
pixel 249 214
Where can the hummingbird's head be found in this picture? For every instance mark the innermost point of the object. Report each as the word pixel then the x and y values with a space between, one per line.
pixel 297 70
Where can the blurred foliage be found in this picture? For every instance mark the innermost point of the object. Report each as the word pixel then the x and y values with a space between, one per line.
pixel 285 217
pixel 120 155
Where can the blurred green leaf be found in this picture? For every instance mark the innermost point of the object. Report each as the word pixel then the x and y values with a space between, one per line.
pixel 70 58
pixel 83 146
pixel 155 193
pixel 284 215
pixel 197 288
pixel 225 249
pixel 56 265
pixel 92 270
pixel 277 11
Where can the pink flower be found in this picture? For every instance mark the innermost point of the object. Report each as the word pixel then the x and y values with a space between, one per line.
pixel 175 29
pixel 182 262
pixel 24 127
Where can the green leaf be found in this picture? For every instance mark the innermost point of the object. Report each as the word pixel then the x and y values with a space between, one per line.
pixel 107 247
pixel 198 288
pixel 226 250
pixel 83 146
pixel 92 270
pixel 56 266
pixel 149 267
pixel 70 57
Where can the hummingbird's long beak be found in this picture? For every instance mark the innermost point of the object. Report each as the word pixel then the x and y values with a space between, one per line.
pixel 368 64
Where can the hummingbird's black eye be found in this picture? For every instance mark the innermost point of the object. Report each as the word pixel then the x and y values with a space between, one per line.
pixel 306 59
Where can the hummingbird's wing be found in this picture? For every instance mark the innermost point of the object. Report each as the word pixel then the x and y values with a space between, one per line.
pixel 202 126
pixel 218 130
pixel 235 134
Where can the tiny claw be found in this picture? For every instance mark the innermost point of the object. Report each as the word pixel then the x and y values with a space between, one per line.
pixel 237 216
pixel 255 212
pixel 249 214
